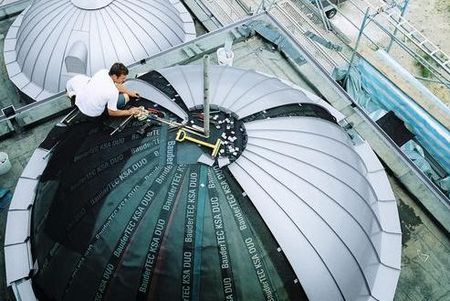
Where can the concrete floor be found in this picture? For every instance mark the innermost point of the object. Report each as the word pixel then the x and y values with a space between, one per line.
pixel 425 252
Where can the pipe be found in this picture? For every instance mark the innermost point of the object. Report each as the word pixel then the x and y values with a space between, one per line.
pixel 206 95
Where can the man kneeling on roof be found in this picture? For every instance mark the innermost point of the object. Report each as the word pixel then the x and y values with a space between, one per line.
pixel 105 88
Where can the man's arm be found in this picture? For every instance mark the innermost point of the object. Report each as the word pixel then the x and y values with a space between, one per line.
pixel 123 89
pixel 117 113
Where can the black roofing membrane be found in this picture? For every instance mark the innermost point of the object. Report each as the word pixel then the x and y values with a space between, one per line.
pixel 135 217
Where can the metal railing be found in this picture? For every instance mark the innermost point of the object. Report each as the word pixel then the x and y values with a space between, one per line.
pixel 419 47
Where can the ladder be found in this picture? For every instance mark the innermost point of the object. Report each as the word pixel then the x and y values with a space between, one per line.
pixel 412 34
pixel 325 21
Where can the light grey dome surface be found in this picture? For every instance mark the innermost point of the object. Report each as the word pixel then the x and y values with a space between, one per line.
pixel 52 40
pixel 91 4
pixel 242 92
pixel 327 202
pixel 335 219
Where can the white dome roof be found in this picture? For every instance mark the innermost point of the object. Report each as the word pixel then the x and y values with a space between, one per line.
pixel 327 202
pixel 52 40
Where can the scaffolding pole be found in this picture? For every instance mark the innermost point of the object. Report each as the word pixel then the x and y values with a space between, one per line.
pixel 361 29
pixel 402 13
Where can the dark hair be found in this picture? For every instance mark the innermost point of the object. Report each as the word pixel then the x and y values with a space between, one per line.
pixel 118 69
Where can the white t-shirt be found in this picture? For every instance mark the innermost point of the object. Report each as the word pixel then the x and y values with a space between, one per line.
pixel 76 83
pixel 95 94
